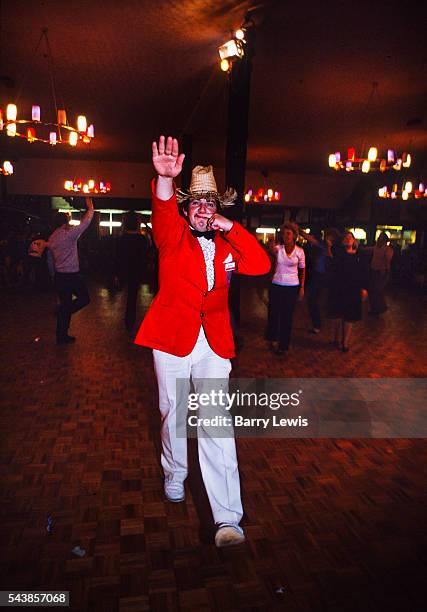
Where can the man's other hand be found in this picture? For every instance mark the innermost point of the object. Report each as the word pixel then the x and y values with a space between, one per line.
pixel 218 222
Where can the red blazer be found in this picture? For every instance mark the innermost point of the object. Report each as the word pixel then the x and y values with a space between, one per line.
pixel 183 302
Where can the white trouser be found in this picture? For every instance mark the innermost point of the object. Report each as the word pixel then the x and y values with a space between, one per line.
pixel 217 456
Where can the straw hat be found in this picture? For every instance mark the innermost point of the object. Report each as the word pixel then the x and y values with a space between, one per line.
pixel 203 184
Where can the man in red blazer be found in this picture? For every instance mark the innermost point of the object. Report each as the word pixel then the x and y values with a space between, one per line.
pixel 188 324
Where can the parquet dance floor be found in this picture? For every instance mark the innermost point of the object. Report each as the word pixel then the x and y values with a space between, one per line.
pixel 332 525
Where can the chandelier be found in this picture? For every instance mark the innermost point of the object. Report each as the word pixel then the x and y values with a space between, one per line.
pixel 262 195
pixel 405 192
pixel 7 168
pixel 90 186
pixel 53 132
pixel 371 162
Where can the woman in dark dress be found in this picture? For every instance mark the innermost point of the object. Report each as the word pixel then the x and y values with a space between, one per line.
pixel 346 290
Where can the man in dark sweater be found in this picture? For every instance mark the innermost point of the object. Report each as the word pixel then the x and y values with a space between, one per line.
pixel 131 265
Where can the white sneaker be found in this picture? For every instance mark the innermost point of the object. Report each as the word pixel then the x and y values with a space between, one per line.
pixel 174 491
pixel 229 535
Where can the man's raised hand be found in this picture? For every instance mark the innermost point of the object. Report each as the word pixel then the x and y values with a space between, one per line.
pixel 166 158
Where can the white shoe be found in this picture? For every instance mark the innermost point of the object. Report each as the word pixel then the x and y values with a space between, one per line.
pixel 229 535
pixel 174 491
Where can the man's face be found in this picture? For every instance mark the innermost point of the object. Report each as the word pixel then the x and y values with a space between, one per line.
pixel 348 239
pixel 199 212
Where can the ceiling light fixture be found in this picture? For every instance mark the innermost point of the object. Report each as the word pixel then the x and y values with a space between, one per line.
pixel 53 132
pixel 262 195
pixel 90 186
pixel 372 161
pixel 405 192
pixel 233 49
pixel 6 168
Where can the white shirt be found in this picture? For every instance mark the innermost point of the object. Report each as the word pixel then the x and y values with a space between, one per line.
pixel 286 272
pixel 208 248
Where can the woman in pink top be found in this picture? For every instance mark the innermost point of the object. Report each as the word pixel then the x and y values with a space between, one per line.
pixel 286 287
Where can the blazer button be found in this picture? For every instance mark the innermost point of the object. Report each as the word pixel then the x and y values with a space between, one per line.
pixel 202 314
pixel 205 294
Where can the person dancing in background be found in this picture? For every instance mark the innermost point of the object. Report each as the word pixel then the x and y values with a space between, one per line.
pixel 38 270
pixel 382 254
pixel 346 291
pixel 62 244
pixel 318 273
pixel 287 286
pixel 131 262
